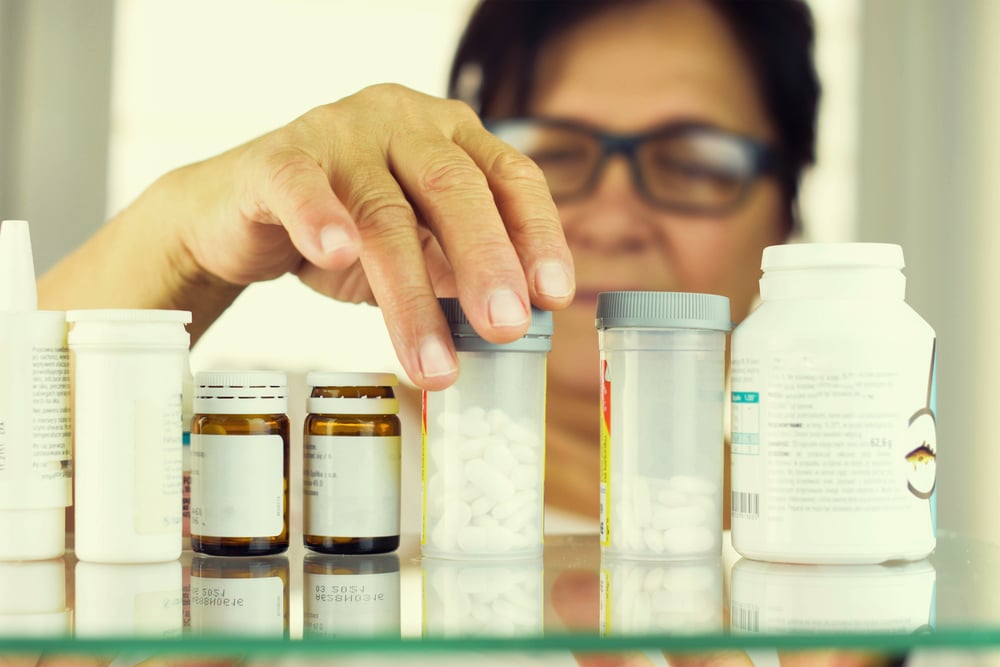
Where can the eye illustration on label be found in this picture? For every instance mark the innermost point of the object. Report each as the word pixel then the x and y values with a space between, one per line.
pixel 922 435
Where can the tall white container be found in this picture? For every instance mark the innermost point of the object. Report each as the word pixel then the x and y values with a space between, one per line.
pixel 833 411
pixel 35 459
pixel 127 378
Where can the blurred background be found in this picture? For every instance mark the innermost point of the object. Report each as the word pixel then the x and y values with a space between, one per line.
pixel 98 98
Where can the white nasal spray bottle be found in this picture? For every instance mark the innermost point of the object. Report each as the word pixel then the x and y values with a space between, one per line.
pixel 35 435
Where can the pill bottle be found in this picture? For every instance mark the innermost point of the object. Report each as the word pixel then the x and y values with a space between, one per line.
pixel 351 464
pixel 484 446
pixel 833 420
pixel 127 384
pixel 35 433
pixel 653 597
pixel 239 463
pixel 239 596
pixel 781 598
pixel 662 423
pixel 350 596
pixel 482 598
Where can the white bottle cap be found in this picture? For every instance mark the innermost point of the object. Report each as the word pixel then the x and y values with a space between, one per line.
pixel 17 285
pixel 240 393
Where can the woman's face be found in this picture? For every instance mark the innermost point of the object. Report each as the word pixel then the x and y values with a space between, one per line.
pixel 629 69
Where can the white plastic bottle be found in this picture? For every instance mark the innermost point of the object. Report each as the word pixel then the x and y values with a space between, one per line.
pixel 35 460
pixel 833 411
pixel 127 381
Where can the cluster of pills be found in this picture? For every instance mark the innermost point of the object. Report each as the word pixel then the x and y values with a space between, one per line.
pixel 643 597
pixel 483 478
pixel 676 517
pixel 478 599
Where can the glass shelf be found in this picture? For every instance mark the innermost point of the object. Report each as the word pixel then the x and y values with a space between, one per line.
pixel 570 599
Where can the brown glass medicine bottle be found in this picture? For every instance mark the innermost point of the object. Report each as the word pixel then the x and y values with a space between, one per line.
pixel 351 464
pixel 239 463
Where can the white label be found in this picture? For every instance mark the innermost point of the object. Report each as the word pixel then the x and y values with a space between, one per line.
pixel 351 485
pixel 50 413
pixel 351 605
pixel 237 485
pixel 157 477
pixel 241 606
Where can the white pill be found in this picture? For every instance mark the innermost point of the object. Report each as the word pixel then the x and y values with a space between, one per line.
pixel 521 542
pixel 633 538
pixel 470 493
pixel 470 448
pixel 525 477
pixel 498 420
pixel 481 506
pixel 526 601
pixel 444 536
pixel 476 539
pixel 524 454
pixel 482 613
pixel 499 457
pixel 692 484
pixel 668 602
pixel 503 510
pixel 642 505
pixel 653 580
pixel 475 428
pixel 653 539
pixel 688 540
pixel 450 422
pixel 672 498
pixel 478 582
pixel 484 521
pixel 491 482
pixel 474 413
pixel 503 608
pixel 526 516
pixel 521 433
pixel 673 517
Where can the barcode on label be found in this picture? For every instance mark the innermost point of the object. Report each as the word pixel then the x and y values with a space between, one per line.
pixel 745 617
pixel 746 505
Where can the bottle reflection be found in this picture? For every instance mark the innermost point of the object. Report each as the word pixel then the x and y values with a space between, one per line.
pixel 128 600
pixel 482 598
pixel 33 599
pixel 350 596
pixel 653 597
pixel 242 596
pixel 776 597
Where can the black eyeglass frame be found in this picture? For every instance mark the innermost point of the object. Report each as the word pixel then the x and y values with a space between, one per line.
pixel 763 159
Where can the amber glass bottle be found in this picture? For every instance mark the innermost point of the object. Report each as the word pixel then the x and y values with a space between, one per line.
pixel 239 464
pixel 351 464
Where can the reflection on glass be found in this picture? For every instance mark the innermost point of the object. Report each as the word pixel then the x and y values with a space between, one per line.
pixel 33 599
pixel 350 596
pixel 128 600
pixel 241 596
pixel 482 598
pixel 781 598
pixel 651 597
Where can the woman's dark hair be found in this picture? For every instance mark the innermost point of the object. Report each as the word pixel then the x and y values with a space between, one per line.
pixel 496 58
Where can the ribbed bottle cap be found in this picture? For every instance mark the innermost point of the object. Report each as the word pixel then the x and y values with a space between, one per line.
pixel 240 393
pixel 537 339
pixel 832 255
pixel 663 310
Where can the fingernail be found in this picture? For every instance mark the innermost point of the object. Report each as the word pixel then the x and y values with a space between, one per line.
pixel 333 238
pixel 506 309
pixel 435 358
pixel 552 280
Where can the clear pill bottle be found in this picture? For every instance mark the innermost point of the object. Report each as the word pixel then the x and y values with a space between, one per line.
pixel 484 446
pixel 239 463
pixel 351 464
pixel 127 376
pixel 662 423
pixel 833 411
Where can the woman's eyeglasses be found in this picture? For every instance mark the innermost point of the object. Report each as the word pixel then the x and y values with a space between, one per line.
pixel 689 168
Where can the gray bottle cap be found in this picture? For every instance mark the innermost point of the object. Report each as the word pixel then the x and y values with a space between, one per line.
pixel 663 310
pixel 537 339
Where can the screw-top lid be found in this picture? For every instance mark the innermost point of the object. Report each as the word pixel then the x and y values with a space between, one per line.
pixel 240 393
pixel 832 255
pixel 537 339
pixel 17 285
pixel 663 310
